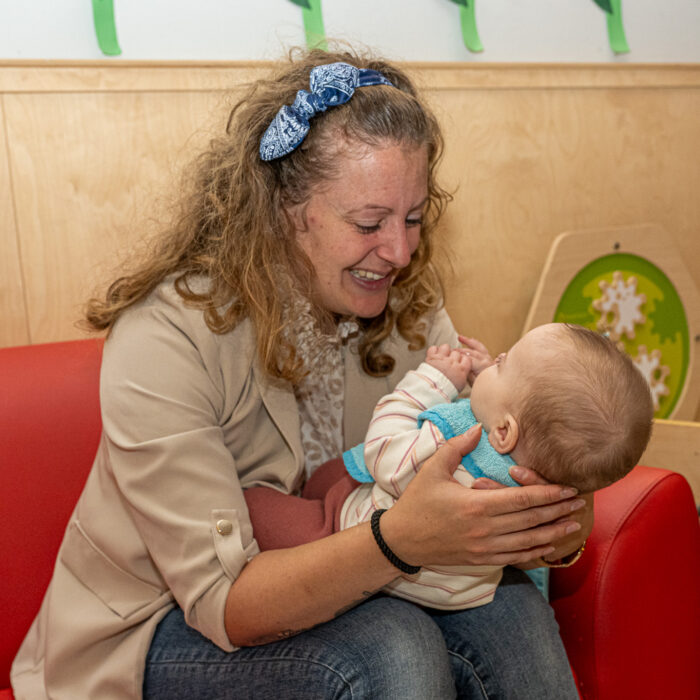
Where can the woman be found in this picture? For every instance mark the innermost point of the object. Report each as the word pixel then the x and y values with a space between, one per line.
pixel 249 348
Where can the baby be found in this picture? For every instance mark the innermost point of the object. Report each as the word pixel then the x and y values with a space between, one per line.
pixel 563 401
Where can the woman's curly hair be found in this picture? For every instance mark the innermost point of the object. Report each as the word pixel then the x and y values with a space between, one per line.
pixel 234 232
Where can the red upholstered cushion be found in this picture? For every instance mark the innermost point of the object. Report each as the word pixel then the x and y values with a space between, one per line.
pixel 629 610
pixel 49 432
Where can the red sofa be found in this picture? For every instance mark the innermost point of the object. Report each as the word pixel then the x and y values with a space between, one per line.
pixel 629 610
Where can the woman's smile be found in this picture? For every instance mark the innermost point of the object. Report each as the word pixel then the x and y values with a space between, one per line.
pixel 372 281
pixel 368 275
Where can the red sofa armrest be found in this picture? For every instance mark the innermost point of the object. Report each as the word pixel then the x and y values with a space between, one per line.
pixel 629 610
pixel 49 431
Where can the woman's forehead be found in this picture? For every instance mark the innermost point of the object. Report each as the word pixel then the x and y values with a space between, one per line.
pixel 376 173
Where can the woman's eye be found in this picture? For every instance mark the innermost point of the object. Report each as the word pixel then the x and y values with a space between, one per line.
pixel 367 229
pixel 414 222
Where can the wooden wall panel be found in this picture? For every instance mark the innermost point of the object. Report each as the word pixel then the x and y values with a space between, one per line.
pixel 532 151
pixel 13 313
pixel 530 164
pixel 676 445
pixel 92 172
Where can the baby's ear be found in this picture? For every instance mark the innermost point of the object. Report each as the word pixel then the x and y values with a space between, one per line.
pixel 504 436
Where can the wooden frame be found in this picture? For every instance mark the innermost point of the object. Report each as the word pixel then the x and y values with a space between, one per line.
pixel 572 251
pixel 675 445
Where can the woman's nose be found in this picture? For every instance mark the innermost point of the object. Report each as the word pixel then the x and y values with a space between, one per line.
pixel 396 248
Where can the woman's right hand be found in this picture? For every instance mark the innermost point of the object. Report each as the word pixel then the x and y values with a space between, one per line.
pixel 438 521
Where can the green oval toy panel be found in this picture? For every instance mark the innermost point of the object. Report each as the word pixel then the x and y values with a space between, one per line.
pixel 635 303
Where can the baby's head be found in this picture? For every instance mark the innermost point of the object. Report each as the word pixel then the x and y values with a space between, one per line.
pixel 567 403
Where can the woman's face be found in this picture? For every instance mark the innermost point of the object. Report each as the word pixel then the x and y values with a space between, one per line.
pixel 362 227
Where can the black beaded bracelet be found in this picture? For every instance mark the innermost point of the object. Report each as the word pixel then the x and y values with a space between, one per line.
pixel 398 563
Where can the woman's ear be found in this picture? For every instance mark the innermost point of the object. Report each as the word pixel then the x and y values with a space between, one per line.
pixel 297 215
pixel 504 436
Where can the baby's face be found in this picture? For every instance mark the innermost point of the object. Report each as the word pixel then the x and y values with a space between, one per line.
pixel 500 388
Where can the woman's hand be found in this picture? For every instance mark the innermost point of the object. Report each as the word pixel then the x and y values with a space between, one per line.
pixel 438 521
pixel 566 545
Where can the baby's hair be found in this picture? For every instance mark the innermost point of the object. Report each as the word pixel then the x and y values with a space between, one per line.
pixel 586 421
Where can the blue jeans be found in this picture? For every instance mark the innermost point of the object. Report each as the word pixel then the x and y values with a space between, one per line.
pixel 384 649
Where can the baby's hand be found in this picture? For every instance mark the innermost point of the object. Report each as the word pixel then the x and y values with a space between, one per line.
pixel 454 363
pixel 479 354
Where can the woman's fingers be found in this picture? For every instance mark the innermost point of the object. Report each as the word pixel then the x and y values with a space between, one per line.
pixel 518 547
pixel 483 483
pixel 438 521
pixel 448 457
pixel 463 444
pixel 583 515
pixel 571 542
pixel 528 520
pixel 558 500
pixel 525 476
pixel 514 558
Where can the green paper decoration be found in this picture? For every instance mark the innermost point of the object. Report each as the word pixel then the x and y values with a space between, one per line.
pixel 106 31
pixel 313 23
pixel 105 27
pixel 616 31
pixel 470 34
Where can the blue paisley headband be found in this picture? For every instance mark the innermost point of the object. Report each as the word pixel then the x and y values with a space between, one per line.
pixel 331 85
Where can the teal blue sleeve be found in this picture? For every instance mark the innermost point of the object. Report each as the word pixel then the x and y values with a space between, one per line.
pixel 354 460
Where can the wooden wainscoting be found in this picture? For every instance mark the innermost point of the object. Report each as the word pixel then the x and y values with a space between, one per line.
pixel 90 156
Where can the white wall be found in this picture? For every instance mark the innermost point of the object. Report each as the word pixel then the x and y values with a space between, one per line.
pixel 421 30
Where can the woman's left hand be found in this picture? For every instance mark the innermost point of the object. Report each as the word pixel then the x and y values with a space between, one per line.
pixel 566 545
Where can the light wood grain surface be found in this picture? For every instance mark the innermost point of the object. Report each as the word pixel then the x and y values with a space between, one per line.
pixel 91 173
pixel 528 165
pixel 676 445
pixel 153 76
pixel 13 312
pixel 94 151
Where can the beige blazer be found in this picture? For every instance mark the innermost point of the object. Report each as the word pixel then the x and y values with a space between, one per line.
pixel 189 421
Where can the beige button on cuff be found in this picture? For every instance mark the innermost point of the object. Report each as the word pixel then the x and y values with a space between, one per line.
pixel 233 540
pixel 224 527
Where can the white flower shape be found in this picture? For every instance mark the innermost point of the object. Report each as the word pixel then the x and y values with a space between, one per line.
pixel 620 307
pixel 649 364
